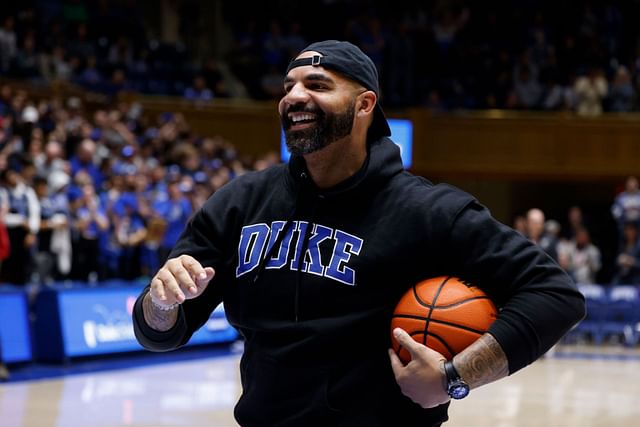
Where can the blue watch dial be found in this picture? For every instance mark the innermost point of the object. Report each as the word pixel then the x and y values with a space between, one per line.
pixel 458 391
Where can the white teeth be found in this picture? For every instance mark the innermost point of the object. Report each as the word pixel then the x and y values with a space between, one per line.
pixel 298 117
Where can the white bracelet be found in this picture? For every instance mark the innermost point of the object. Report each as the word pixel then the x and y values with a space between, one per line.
pixel 164 307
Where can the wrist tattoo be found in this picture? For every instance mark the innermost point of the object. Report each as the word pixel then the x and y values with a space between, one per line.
pixel 482 362
pixel 158 317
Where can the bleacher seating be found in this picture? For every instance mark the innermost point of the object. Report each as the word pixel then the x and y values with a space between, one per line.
pixel 612 313
pixel 622 314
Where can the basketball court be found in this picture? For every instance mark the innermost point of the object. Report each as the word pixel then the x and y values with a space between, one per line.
pixel 576 386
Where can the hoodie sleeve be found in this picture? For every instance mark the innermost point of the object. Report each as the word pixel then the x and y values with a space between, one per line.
pixel 206 238
pixel 538 301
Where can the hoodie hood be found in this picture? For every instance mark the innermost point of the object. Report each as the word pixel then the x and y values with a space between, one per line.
pixel 381 164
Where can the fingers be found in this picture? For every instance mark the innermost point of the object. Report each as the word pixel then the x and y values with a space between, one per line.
pixel 170 285
pixel 182 276
pixel 396 363
pixel 198 276
pixel 405 340
pixel 157 289
pixel 205 278
pixel 178 278
pixel 421 379
pixel 162 292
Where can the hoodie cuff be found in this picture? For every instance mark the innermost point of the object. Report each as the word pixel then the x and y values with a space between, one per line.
pixel 152 339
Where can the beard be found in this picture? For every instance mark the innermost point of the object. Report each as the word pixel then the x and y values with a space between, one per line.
pixel 329 128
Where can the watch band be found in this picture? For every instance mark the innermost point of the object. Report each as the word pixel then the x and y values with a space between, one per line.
pixel 456 387
pixel 451 372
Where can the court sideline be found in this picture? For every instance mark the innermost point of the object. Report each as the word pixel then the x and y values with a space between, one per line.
pixel 575 387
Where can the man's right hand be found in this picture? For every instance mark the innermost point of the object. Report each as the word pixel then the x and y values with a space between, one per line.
pixel 179 279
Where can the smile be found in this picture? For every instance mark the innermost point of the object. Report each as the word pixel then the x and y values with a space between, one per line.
pixel 298 118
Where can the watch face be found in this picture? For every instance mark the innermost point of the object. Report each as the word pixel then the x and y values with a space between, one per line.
pixel 458 391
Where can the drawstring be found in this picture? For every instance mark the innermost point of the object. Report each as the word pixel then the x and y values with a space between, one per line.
pixel 305 245
pixel 288 224
pixel 300 192
pixel 276 244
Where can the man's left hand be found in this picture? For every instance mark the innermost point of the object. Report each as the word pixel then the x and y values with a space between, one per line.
pixel 422 380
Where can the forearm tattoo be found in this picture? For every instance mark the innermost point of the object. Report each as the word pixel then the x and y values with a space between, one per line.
pixel 482 362
pixel 158 319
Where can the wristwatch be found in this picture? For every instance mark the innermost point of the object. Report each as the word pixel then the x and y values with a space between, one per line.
pixel 456 387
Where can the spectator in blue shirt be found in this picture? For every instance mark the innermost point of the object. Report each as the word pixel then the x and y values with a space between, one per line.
pixel 129 230
pixel 175 212
pixel 84 160
pixel 91 223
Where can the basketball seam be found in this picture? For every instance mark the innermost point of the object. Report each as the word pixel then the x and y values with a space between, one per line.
pixel 438 337
pixel 435 299
pixel 455 304
pixel 424 304
pixel 442 322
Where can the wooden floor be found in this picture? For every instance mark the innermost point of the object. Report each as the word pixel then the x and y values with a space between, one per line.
pixel 576 387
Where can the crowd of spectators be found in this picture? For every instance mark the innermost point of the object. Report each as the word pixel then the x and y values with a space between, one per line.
pixel 103 195
pixel 101 46
pixel 97 196
pixel 444 55
pixel 456 54
pixel 570 242
pixel 90 196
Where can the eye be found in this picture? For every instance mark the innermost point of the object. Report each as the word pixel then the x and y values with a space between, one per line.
pixel 317 86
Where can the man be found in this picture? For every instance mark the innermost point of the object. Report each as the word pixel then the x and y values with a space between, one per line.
pixel 581 258
pixel 626 206
pixel 310 259
pixel 23 223
pixel 537 234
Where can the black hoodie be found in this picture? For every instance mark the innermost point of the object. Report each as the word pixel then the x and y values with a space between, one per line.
pixel 316 328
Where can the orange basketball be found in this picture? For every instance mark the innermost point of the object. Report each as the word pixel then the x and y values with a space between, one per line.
pixel 443 313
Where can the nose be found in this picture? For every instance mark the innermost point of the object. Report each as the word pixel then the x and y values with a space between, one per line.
pixel 297 95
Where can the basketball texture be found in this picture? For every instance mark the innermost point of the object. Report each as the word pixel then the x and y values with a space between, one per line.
pixel 444 313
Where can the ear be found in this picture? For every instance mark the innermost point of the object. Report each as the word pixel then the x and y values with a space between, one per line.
pixel 366 103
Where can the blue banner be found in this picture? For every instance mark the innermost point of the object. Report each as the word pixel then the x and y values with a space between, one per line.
pixel 97 320
pixel 15 336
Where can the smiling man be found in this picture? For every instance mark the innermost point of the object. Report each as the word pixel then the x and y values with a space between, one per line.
pixel 328 106
pixel 310 259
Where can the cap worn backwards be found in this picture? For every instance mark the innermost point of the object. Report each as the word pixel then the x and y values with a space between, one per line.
pixel 348 60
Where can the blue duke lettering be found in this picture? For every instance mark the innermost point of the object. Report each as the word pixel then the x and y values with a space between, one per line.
pixel 256 240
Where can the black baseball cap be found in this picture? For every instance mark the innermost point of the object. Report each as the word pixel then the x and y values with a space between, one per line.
pixel 348 60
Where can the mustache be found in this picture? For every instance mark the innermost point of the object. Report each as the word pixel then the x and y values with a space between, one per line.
pixel 301 108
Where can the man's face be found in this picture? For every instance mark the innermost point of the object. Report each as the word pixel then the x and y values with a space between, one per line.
pixel 535 224
pixel 318 108
pixel 324 129
pixel 582 238
pixel 12 178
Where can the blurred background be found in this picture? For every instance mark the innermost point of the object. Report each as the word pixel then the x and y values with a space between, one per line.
pixel 119 118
